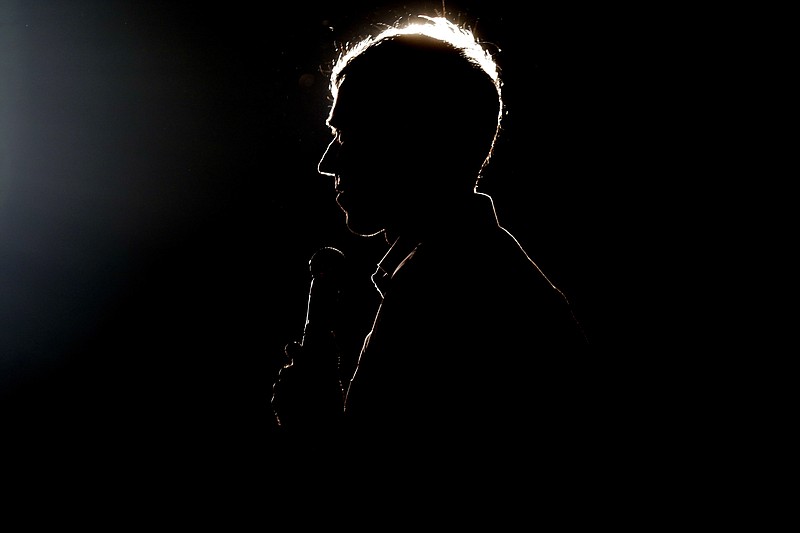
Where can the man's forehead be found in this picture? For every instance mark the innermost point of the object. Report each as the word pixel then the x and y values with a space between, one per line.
pixel 345 109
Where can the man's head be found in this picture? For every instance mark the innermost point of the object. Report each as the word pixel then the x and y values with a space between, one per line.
pixel 415 114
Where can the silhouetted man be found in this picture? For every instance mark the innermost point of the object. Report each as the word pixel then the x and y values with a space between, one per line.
pixel 471 338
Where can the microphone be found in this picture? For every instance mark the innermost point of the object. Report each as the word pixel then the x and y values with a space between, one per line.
pixel 324 294
pixel 306 390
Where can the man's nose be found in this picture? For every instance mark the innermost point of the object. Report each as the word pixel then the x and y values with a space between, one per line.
pixel 326 165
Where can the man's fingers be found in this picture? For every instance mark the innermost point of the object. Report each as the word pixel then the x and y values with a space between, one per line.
pixel 292 350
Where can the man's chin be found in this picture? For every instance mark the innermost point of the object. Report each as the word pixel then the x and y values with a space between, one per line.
pixel 362 230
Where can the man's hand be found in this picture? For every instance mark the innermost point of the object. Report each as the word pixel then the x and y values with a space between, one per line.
pixel 307 394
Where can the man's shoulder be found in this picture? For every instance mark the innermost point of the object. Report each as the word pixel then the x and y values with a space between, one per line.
pixel 486 270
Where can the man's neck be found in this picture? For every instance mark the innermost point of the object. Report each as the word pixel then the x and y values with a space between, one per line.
pixel 433 220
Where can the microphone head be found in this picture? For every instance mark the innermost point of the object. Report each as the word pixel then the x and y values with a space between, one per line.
pixel 326 262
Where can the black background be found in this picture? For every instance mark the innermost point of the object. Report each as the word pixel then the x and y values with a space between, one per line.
pixel 159 199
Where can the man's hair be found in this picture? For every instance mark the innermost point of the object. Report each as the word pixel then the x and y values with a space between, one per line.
pixel 442 86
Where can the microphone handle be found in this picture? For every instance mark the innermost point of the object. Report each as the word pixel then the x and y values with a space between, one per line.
pixel 324 296
pixel 323 299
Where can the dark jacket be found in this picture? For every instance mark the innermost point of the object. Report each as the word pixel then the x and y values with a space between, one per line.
pixel 470 337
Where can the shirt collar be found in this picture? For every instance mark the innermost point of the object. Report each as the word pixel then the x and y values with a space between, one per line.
pixel 401 250
pixel 477 213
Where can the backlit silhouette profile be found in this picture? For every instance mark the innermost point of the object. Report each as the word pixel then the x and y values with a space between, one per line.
pixel 470 335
